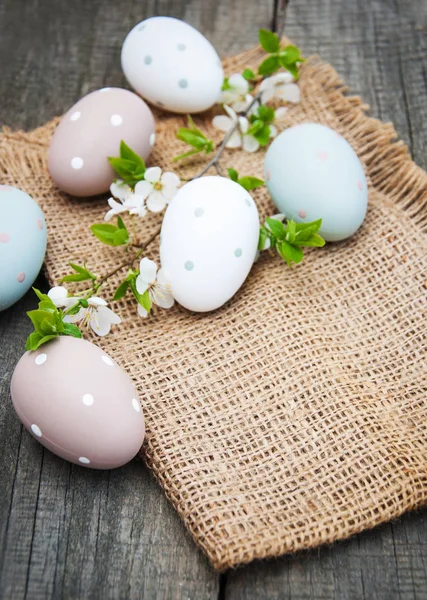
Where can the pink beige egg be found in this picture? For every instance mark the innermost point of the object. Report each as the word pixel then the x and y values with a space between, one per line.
pixel 90 132
pixel 76 401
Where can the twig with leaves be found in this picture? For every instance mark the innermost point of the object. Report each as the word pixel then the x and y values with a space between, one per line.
pixel 248 124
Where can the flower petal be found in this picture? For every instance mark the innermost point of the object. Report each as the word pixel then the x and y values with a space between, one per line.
pixel 100 324
pixel 96 301
pixel 163 276
pixel 267 95
pixel 227 97
pixel 141 311
pixel 141 285
pixel 250 144
pixel 120 190
pixel 273 130
pixel 243 124
pixel 75 318
pixel 153 174
pixel 282 77
pixel 222 123
pixel 169 178
pixel 147 270
pixel 239 83
pixel 235 140
pixel 230 112
pixel 279 217
pixel 107 313
pixel 58 295
pixel 156 201
pixel 169 191
pixel 280 113
pixel 162 296
pixel 266 84
pixel 290 92
pixel 143 188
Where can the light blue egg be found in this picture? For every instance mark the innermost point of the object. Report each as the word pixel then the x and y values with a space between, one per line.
pixel 22 244
pixel 312 172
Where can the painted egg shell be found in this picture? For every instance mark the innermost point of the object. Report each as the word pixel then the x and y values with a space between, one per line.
pixel 90 132
pixel 208 242
pixel 312 172
pixel 22 244
pixel 172 65
pixel 78 403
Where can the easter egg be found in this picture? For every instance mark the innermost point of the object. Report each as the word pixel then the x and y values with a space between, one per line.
pixel 172 65
pixel 208 242
pixel 22 243
pixel 312 172
pixel 90 132
pixel 76 401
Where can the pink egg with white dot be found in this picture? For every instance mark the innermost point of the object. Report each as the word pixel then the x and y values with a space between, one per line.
pixel 90 132
pixel 76 401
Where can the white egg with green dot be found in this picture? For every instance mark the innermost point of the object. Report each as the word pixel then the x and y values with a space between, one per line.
pixel 209 242
pixel 312 173
pixel 172 65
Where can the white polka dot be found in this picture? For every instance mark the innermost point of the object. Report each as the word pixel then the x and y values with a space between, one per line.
pixel 84 460
pixel 77 162
pixel 107 360
pixel 116 120
pixel 75 116
pixel 152 139
pixel 107 89
pixel 36 430
pixel 88 399
pixel 136 405
pixel 40 359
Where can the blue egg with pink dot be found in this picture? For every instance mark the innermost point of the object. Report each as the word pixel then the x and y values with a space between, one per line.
pixel 22 244
pixel 312 172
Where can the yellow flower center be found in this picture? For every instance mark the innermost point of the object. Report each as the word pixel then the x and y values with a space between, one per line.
pixel 158 186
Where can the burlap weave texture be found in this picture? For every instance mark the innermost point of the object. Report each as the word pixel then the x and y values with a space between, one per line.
pixel 297 413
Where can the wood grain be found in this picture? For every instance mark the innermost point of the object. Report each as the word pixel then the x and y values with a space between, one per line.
pixel 67 532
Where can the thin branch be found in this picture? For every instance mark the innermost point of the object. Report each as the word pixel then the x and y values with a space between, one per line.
pixel 214 162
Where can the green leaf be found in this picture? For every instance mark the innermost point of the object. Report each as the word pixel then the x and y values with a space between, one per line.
pixel 123 167
pixel 193 127
pixel 277 228
pixel 263 235
pixel 34 340
pixel 269 66
pixel 75 277
pixel 225 85
pixel 290 231
pixel 73 330
pixel 248 74
pixel 110 234
pixel 268 41
pixel 293 69
pixel 289 252
pixel 186 154
pixel 266 113
pixel 128 154
pixel 120 223
pixel 42 296
pixel 233 174
pixel 121 290
pixel 250 183
pixel 263 135
pixel 146 301
pixel 257 125
pixel 314 241
pixel 291 54
pixel 192 139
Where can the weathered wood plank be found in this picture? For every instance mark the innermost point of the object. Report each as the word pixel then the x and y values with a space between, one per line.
pixel 66 532
pixel 380 49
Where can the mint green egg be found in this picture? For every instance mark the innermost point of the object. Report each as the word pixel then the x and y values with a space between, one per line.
pixel 22 244
pixel 312 172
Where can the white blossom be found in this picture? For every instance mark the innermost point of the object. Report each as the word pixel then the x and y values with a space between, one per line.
pixel 280 86
pixel 60 298
pixel 240 138
pixel 157 284
pixel 96 315
pixel 124 200
pixel 157 189
pixel 237 96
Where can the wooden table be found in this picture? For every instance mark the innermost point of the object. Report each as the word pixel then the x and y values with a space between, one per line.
pixel 67 532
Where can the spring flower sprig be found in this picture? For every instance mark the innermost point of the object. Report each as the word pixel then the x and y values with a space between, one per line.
pixel 288 240
pixel 248 123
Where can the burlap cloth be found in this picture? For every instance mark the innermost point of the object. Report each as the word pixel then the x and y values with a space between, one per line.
pixel 296 414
